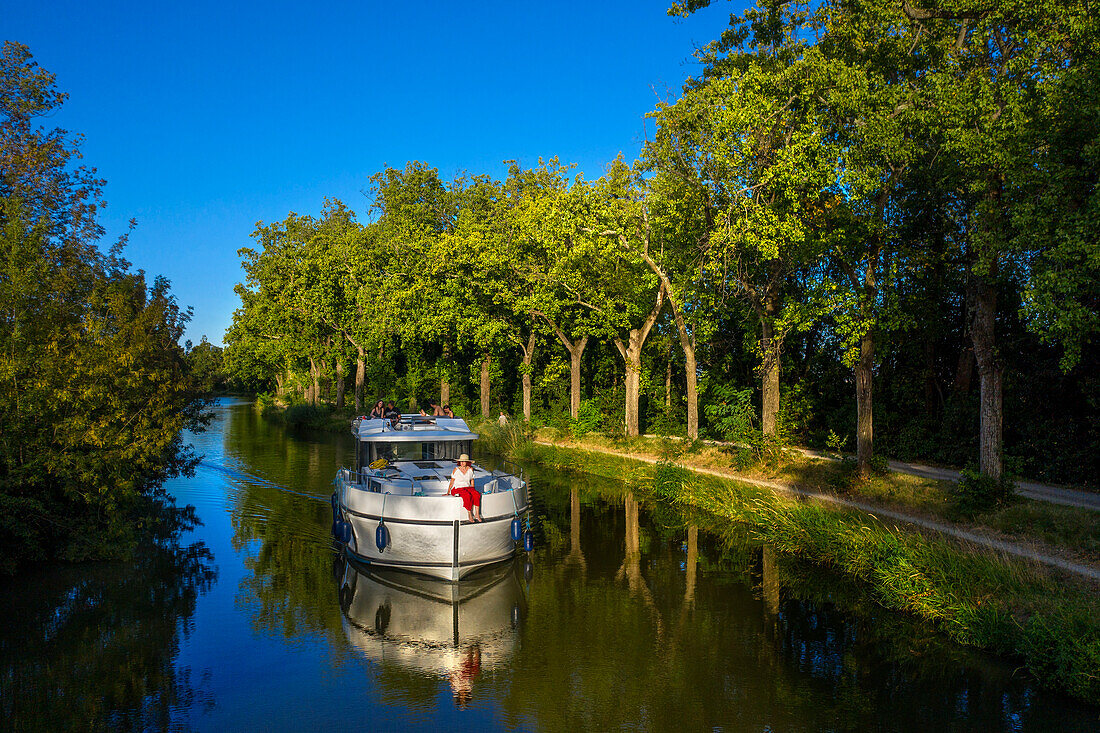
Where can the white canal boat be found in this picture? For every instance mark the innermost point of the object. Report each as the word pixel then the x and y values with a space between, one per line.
pixel 393 509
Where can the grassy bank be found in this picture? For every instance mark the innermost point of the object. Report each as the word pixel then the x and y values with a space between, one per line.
pixel 1051 624
pixel 1068 532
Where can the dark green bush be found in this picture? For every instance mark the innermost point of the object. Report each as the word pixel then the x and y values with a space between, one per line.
pixel 306 416
pixel 977 493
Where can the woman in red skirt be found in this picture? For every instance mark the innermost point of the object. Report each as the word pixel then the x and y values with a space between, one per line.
pixel 462 485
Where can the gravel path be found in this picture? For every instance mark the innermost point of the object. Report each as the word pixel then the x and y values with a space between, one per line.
pixel 1006 548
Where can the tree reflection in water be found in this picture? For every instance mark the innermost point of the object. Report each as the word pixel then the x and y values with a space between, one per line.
pixel 95 647
pixel 670 627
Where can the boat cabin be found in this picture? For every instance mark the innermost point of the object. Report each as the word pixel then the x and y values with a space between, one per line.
pixel 412 438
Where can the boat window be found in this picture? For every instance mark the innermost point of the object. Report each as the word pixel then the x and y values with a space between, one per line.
pixel 397 451
pixel 448 450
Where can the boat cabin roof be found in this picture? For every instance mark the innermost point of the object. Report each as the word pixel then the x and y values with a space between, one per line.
pixel 413 428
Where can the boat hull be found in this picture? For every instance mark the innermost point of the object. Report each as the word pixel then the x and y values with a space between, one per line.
pixel 429 534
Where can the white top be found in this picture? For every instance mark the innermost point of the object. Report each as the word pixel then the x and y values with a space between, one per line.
pixel 463 478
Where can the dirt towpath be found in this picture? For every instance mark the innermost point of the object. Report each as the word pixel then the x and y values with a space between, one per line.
pixel 1030 489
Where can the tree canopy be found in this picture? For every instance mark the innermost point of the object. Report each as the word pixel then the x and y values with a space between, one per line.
pixel 848 199
pixel 96 388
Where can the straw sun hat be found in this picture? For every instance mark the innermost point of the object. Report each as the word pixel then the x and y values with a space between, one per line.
pixel 463 457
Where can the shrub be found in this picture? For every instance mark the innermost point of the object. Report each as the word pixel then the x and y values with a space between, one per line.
pixel 733 416
pixel 977 493
pixel 308 416
pixel 589 419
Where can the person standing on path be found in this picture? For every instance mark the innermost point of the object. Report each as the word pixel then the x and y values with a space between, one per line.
pixel 462 486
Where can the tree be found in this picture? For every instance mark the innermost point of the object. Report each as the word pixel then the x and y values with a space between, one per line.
pixel 629 296
pixel 739 162
pixel 994 89
pixel 94 386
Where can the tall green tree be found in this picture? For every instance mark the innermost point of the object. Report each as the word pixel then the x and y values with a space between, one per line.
pixel 94 386
pixel 740 162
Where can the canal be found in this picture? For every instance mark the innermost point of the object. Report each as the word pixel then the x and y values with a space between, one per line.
pixel 625 617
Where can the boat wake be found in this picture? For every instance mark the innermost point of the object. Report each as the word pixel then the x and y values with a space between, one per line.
pixel 259 481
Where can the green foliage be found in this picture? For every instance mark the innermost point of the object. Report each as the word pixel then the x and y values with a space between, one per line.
pixel 976 493
pixel 94 387
pixel 835 444
pixel 207 366
pixel 589 419
pixel 732 414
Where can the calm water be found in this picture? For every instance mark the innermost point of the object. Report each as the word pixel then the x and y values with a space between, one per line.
pixel 625 617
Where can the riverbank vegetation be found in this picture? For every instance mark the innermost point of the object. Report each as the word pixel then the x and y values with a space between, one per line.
pixel 883 201
pixel 94 386
pixel 1069 532
pixel 1012 608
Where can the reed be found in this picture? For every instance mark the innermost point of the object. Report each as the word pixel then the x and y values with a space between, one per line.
pixel 979 598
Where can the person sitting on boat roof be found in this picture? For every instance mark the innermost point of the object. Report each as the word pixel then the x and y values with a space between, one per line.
pixel 447 411
pixel 393 415
pixel 462 486
pixel 437 411
pixel 379 410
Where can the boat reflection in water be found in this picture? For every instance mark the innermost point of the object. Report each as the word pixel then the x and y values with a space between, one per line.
pixel 435 628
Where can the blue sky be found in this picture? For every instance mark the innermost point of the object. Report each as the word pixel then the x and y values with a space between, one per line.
pixel 207 117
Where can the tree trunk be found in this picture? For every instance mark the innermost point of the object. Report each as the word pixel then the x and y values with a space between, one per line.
pixel 982 297
pixel 315 375
pixel 631 352
pixel 769 378
pixel 687 341
pixel 485 385
pixel 528 356
pixel 632 359
pixel 692 392
pixel 576 351
pixel 864 422
pixel 280 388
pixel 360 380
pixel 444 384
pixel 963 373
pixel 339 385
pixel 668 382
pixel 633 381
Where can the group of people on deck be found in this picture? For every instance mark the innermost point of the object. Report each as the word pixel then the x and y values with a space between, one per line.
pixel 388 410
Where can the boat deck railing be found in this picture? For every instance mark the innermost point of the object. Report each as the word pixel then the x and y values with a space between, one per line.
pixel 490 485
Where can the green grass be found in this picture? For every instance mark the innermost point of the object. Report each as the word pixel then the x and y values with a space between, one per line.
pixel 979 599
pixel 1064 526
